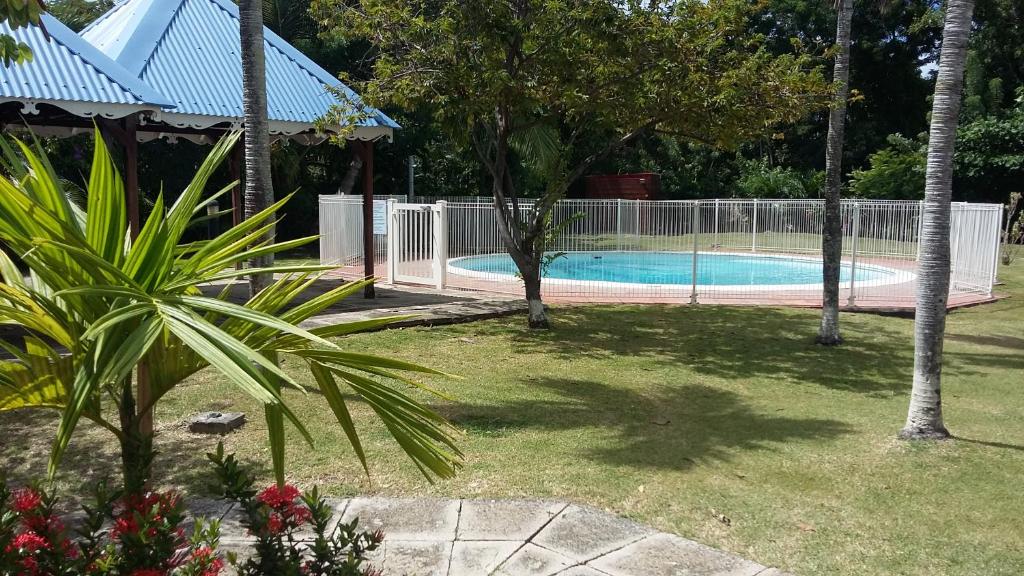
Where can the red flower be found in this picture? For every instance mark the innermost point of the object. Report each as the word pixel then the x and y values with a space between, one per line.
pixel 300 515
pixel 147 572
pixel 275 524
pixel 279 497
pixel 125 525
pixel 28 542
pixel 26 500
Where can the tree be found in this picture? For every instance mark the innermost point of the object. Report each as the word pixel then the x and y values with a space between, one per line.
pixel 259 186
pixel 97 306
pixel 832 232
pixel 77 14
pixel 896 172
pixel 18 14
pixel 559 85
pixel 924 418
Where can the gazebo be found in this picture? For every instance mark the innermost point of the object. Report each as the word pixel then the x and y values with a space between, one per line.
pixel 172 69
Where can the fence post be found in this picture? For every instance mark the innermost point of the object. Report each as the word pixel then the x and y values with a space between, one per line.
pixel 636 232
pixel 440 244
pixel 853 255
pixel 999 246
pixel 392 240
pixel 753 242
pixel 920 228
pixel 618 223
pixel 695 231
pixel 715 244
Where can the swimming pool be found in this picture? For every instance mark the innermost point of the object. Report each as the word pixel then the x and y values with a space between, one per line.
pixel 676 268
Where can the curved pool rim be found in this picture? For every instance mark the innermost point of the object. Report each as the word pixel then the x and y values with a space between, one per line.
pixel 895 275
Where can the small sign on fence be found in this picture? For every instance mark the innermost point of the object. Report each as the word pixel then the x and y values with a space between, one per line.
pixel 380 217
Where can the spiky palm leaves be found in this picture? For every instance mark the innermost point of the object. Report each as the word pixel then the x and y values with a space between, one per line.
pixel 97 306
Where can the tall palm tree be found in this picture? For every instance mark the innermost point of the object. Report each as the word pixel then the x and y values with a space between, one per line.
pixel 832 235
pixel 259 187
pixel 924 419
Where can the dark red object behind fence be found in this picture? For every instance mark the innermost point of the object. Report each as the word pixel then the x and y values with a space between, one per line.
pixel 644 186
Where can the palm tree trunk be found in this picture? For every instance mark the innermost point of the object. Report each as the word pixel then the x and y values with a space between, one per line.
pixel 924 419
pixel 348 182
pixel 832 235
pixel 259 188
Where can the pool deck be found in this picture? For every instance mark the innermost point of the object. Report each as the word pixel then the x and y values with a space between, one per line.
pixel 896 298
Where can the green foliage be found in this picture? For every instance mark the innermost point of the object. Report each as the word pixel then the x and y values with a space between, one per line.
pixel 1013 230
pixel 989 160
pixel 896 172
pixel 115 304
pixel 277 517
pixel 117 535
pixel 18 14
pixel 77 14
pixel 759 180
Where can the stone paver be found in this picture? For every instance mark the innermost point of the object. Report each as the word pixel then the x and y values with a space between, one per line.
pixel 417 558
pixel 581 571
pixel 532 560
pixel 470 558
pixel 668 555
pixel 437 537
pixel 406 519
pixel 585 533
pixel 504 520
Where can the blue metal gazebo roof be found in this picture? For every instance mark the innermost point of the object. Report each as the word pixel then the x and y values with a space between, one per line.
pixel 69 73
pixel 189 51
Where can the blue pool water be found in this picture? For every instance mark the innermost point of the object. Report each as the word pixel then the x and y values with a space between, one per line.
pixel 675 268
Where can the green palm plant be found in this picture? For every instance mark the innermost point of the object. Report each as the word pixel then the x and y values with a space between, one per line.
pixel 97 307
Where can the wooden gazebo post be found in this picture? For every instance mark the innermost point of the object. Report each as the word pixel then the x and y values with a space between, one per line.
pixel 368 250
pixel 125 133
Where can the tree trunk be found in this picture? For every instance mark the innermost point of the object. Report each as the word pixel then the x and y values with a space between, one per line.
pixel 136 445
pixel 259 188
pixel 832 235
pixel 924 419
pixel 348 182
pixel 538 317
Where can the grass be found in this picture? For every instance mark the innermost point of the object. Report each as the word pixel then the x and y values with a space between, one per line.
pixel 676 416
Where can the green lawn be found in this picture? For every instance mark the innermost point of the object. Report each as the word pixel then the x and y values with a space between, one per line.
pixel 676 415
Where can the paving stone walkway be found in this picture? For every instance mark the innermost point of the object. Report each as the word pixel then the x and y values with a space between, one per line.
pixel 437 537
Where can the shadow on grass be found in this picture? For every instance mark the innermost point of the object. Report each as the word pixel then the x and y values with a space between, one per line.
pixel 672 427
pixel 94 456
pixel 997 341
pixel 735 342
pixel 1001 445
pixel 386 297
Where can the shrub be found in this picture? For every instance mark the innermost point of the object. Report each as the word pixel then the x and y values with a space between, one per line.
pixel 896 172
pixel 1013 233
pixel 277 517
pixel 128 534
pixel 759 180
pixel 122 535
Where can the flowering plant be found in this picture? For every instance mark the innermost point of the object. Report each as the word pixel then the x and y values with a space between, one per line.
pixel 296 534
pixel 145 537
pixel 142 534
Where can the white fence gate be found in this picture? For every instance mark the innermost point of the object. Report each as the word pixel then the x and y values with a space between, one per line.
pixel 417 243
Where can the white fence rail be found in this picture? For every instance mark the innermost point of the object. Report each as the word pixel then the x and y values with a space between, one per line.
pixel 676 251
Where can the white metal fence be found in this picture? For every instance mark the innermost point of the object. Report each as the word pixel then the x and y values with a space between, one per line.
pixel 670 251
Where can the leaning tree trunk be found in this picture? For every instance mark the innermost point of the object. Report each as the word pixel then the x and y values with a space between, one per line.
pixel 832 235
pixel 924 419
pixel 537 317
pixel 259 188
pixel 348 181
